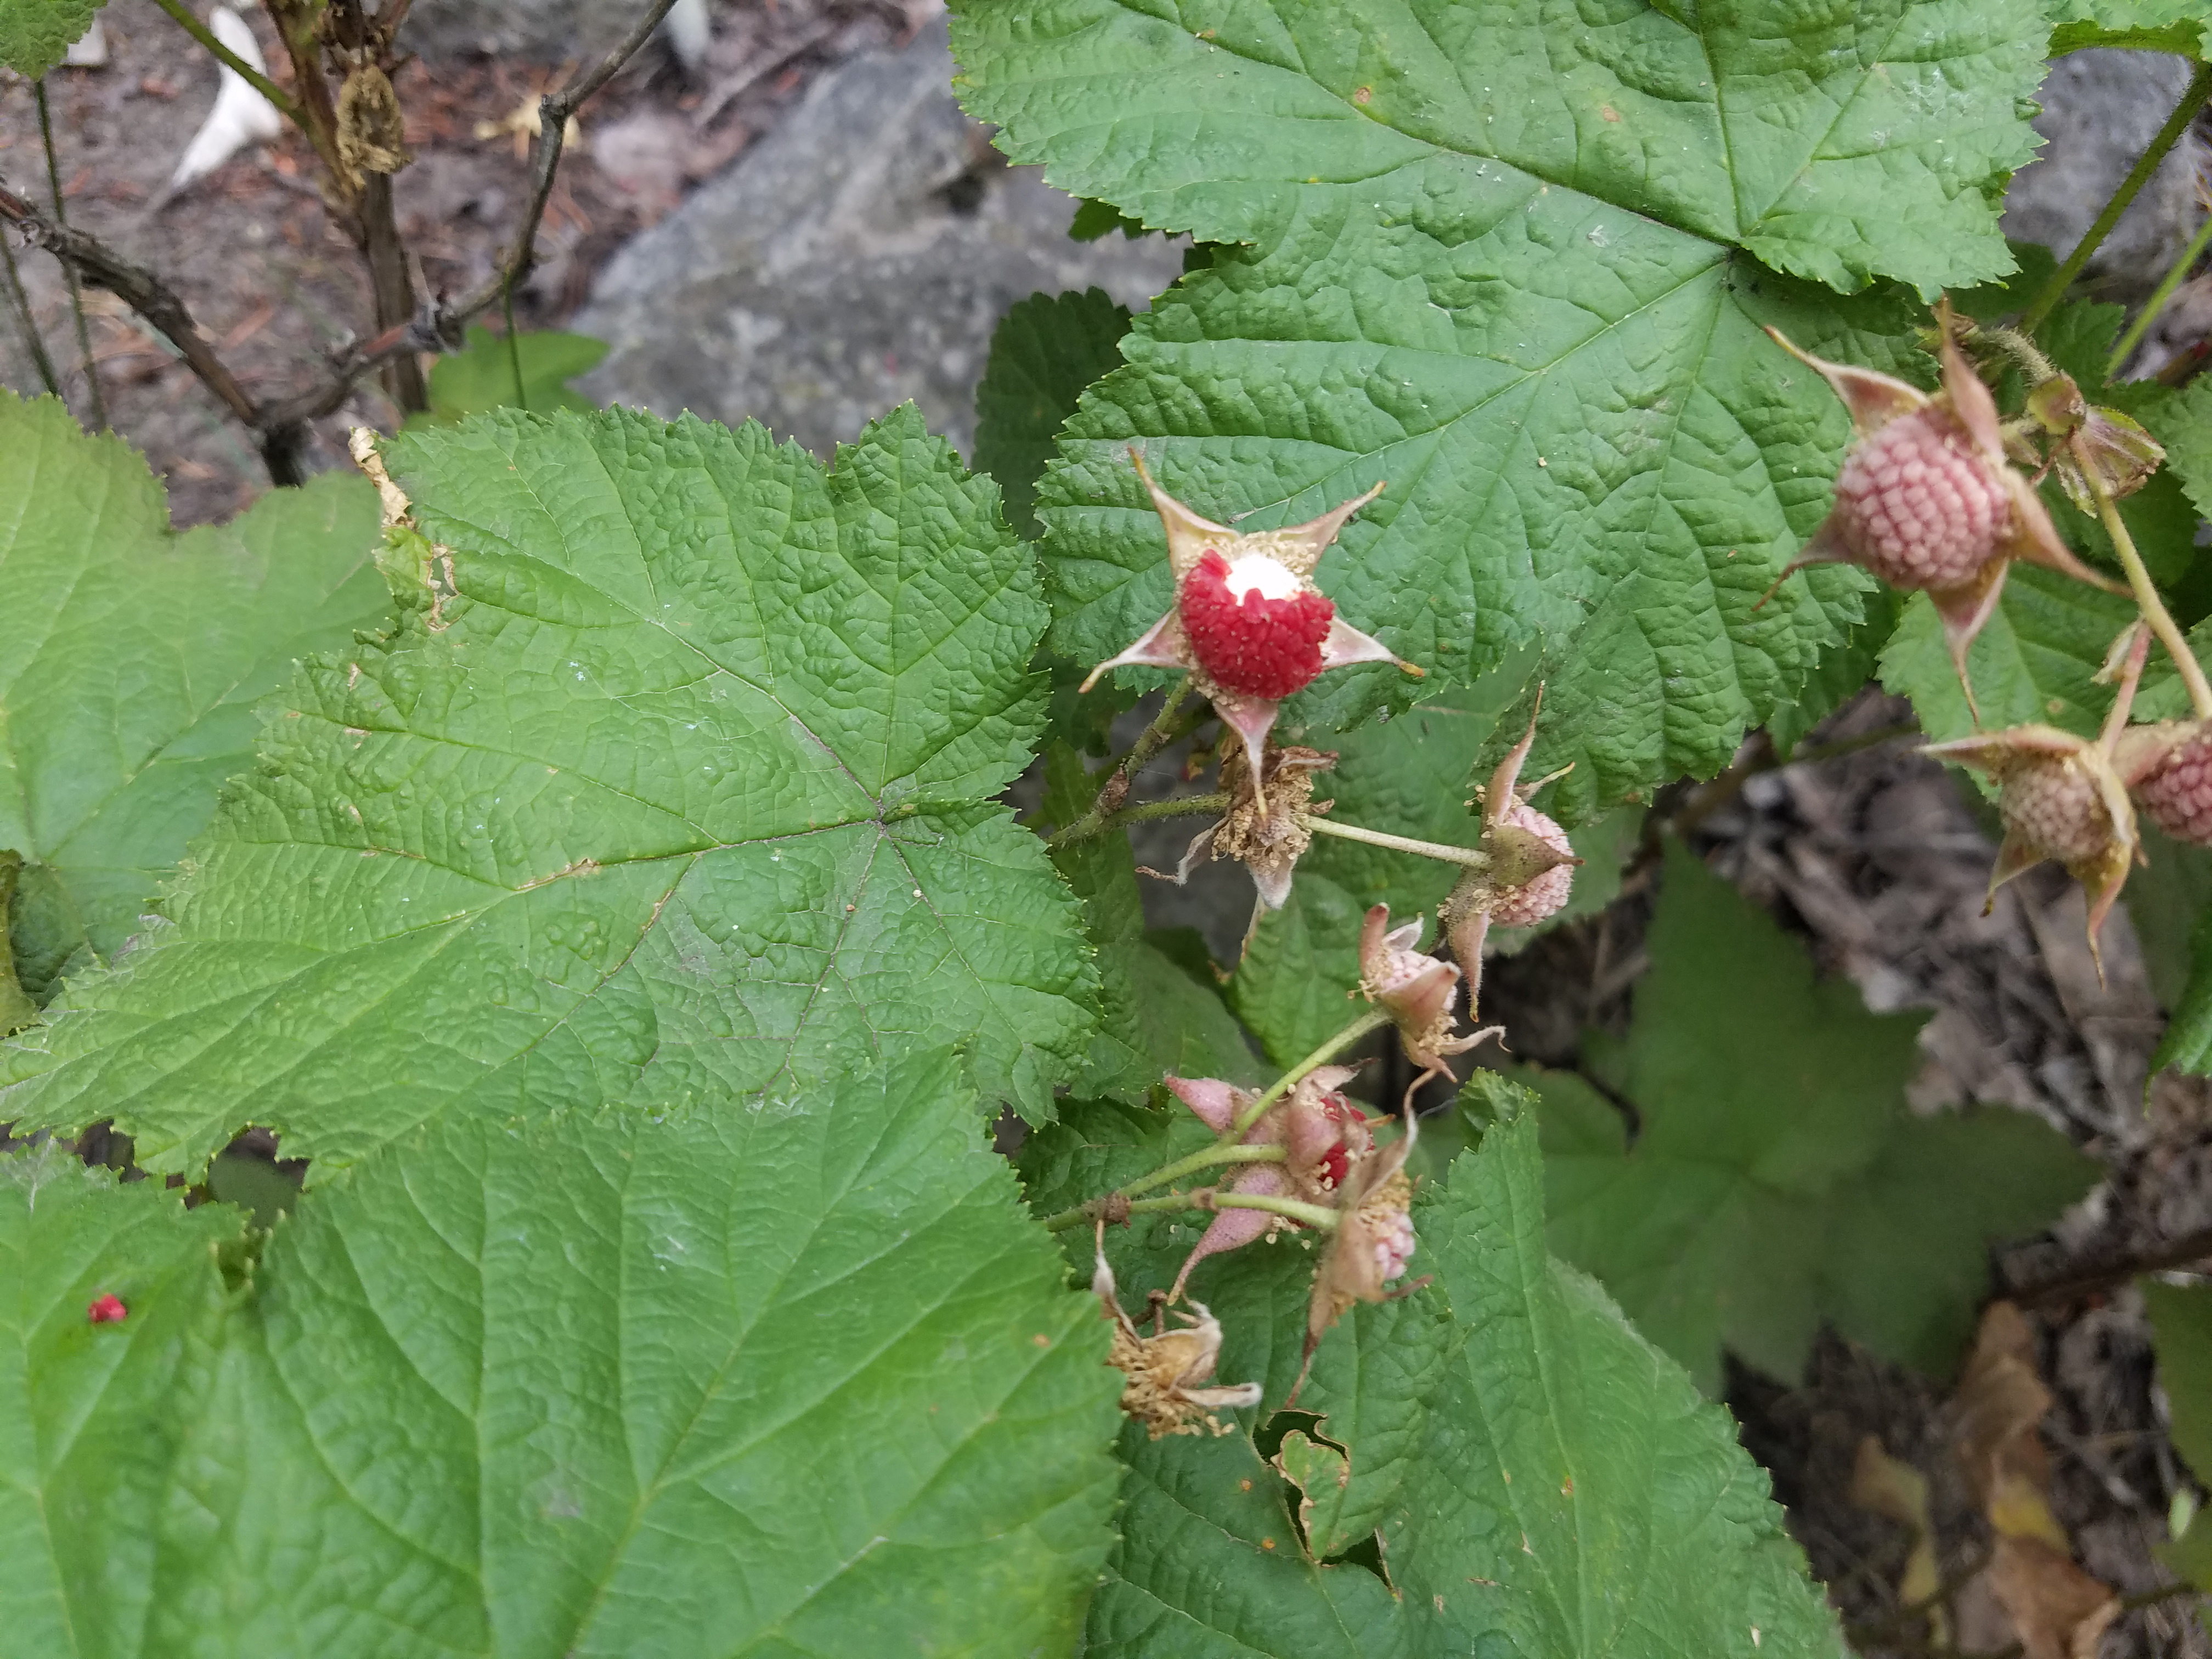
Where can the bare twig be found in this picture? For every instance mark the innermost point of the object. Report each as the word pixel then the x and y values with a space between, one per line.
pixel 2087 1278
pixel 22 302
pixel 93 396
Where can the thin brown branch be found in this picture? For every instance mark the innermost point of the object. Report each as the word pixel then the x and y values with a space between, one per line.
pixel 20 303
pixel 2087 1278
pixel 92 392
pixel 97 264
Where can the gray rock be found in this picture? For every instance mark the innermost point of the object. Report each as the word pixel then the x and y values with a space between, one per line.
pixel 857 255
pixel 542 31
pixel 2101 110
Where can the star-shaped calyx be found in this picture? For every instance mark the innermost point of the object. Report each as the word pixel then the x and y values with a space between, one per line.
pixel 1248 622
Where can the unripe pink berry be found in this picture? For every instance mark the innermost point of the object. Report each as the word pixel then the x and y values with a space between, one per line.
pixel 1918 505
pixel 2056 808
pixel 2178 794
pixel 1537 900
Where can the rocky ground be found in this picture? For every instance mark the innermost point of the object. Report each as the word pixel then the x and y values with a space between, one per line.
pixel 798 225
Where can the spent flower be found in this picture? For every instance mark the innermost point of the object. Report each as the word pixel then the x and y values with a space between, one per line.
pixel 1529 871
pixel 1373 1244
pixel 1167 1388
pixel 1417 990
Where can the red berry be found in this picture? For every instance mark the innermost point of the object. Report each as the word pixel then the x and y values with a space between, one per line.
pixel 1526 905
pixel 1918 506
pixel 2055 808
pixel 1249 642
pixel 108 1309
pixel 2177 796
pixel 1334 1162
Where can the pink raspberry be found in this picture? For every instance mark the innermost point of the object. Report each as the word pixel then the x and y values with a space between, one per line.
pixel 1526 905
pixel 1918 506
pixel 2056 809
pixel 1255 626
pixel 2178 795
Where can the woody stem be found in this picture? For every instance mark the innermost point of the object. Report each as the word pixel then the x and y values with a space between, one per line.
pixel 1373 1019
pixel 1206 1157
pixel 2147 599
pixel 1473 858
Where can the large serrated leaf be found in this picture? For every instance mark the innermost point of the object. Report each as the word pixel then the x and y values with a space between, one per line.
pixel 1046 349
pixel 2176 26
pixel 674 786
pixel 779 1380
pixel 131 659
pixel 1547 1485
pixel 1777 1177
pixel 1496 255
pixel 94 1418
pixel 34 34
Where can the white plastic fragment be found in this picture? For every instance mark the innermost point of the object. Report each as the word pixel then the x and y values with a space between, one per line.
pixel 241 116
pixel 89 50
pixel 689 31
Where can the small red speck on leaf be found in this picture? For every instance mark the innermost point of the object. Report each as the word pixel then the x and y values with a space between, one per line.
pixel 107 1311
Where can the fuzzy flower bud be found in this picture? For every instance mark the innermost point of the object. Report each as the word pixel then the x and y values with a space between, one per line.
pixel 1248 622
pixel 1417 991
pixel 1529 874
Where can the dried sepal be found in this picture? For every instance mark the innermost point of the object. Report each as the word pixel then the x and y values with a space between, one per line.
pixel 1527 873
pixel 2060 797
pixel 1167 1389
pixel 1248 622
pixel 2090 448
pixel 1417 990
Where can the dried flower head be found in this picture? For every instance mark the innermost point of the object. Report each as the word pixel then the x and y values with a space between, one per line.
pixel 2062 798
pixel 1247 621
pixel 1322 1133
pixel 1926 499
pixel 2090 448
pixel 1262 829
pixel 1167 1389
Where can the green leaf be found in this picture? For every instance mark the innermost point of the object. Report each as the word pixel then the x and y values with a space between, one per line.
pixel 2182 421
pixel 1557 1488
pixel 16 1008
pixel 34 34
pixel 1842 674
pixel 2181 1330
pixel 1045 352
pixel 1777 1178
pixel 1154 1016
pixel 1467 270
pixel 482 376
pixel 2170 902
pixel 766 1381
pixel 94 1419
pixel 132 658
pixel 2176 26
pixel 675 785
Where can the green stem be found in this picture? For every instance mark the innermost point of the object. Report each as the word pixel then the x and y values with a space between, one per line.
pixel 513 345
pixel 92 392
pixel 1178 807
pixel 31 340
pixel 1373 1019
pixel 2160 296
pixel 2199 89
pixel 1297 1209
pixel 1154 737
pixel 2147 599
pixel 1208 1157
pixel 1473 858
pixel 230 60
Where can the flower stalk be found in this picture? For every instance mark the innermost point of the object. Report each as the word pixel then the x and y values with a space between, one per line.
pixel 1473 858
pixel 2148 602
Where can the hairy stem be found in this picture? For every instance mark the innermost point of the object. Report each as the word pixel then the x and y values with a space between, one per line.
pixel 1313 1215
pixel 1373 1019
pixel 1092 824
pixel 22 303
pixel 98 404
pixel 230 60
pixel 2147 599
pixel 2193 99
pixel 1205 1159
pixel 1111 794
pixel 2136 330
pixel 1473 858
